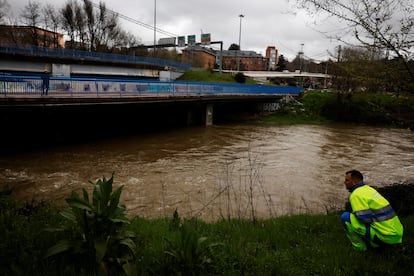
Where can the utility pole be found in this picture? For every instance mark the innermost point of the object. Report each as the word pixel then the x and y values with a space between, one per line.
pixel 300 58
pixel 155 27
pixel 339 53
pixel 238 58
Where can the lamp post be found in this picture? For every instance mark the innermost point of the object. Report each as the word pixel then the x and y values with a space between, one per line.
pixel 155 26
pixel 238 58
pixel 300 58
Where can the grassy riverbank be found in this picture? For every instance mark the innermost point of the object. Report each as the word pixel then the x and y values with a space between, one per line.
pixel 371 109
pixel 315 107
pixel 290 245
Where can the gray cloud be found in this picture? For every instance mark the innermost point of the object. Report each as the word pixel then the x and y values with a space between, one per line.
pixel 266 22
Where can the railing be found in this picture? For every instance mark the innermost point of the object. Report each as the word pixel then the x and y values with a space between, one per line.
pixel 61 87
pixel 15 49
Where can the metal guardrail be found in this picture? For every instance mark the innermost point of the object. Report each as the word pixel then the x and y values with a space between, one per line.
pixel 61 86
pixel 15 49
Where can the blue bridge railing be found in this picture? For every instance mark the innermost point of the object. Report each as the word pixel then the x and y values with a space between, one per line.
pixel 13 49
pixel 62 86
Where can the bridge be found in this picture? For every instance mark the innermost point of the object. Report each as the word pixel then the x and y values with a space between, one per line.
pixel 28 91
pixel 96 106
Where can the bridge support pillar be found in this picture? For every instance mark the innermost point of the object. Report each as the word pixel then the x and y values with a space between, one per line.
pixel 191 117
pixel 209 115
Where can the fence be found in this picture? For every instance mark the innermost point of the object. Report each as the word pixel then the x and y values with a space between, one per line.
pixel 62 86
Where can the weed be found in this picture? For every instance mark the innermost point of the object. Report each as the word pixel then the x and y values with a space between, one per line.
pixel 94 233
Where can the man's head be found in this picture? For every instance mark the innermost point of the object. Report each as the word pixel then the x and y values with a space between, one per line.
pixel 352 178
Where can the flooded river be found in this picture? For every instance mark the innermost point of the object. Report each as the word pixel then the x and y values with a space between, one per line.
pixel 220 171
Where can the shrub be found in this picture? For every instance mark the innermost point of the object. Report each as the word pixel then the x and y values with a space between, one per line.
pixel 188 253
pixel 240 78
pixel 95 240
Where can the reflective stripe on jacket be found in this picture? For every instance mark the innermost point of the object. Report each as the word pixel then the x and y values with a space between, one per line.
pixel 370 207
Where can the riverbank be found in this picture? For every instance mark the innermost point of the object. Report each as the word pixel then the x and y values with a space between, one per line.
pixel 314 107
pixel 288 245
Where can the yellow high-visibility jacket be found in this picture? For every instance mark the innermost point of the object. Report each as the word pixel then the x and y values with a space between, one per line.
pixel 370 207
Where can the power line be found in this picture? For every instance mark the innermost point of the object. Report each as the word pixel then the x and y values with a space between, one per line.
pixel 148 26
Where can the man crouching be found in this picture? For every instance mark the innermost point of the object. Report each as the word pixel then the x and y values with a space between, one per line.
pixel 373 222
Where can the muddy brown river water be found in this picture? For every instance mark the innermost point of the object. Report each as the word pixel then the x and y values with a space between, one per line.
pixel 220 171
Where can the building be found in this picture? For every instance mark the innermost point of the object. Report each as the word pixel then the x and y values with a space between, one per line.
pixel 272 55
pixel 30 36
pixel 249 60
pixel 199 57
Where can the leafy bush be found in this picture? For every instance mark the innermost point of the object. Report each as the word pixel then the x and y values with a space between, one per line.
pixel 189 253
pixel 95 240
pixel 400 196
pixel 23 242
pixel 240 77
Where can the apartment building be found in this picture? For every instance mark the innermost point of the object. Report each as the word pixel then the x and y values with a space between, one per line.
pixel 272 55
pixel 32 36
pixel 199 57
pixel 248 60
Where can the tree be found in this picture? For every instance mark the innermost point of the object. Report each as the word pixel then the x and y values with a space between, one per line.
pixel 281 64
pixel 103 27
pixel 31 17
pixel 4 8
pixel 94 27
pixel 234 46
pixel 350 73
pixel 240 77
pixel 51 20
pixel 68 20
pixel 379 25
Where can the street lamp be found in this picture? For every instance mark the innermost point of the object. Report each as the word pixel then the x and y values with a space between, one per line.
pixel 155 26
pixel 238 59
pixel 300 58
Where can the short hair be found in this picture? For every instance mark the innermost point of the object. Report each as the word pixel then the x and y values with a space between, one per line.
pixel 356 174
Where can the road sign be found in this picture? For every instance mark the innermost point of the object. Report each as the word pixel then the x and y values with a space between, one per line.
pixel 181 41
pixel 167 41
pixel 191 40
pixel 205 39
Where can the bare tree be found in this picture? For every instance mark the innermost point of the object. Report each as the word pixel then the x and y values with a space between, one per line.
pixel 379 25
pixel 95 28
pixel 68 21
pixel 51 19
pixel 103 27
pixel 4 8
pixel 31 16
pixel 90 23
pixel 80 25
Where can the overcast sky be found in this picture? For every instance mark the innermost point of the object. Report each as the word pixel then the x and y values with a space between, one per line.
pixel 265 23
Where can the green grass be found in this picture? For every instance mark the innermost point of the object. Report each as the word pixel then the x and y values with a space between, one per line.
pixel 295 245
pixel 289 245
pixel 210 76
pixel 305 110
pixel 321 107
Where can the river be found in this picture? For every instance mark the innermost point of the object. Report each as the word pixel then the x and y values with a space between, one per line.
pixel 220 171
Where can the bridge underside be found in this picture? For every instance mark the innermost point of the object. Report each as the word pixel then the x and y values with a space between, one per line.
pixel 34 122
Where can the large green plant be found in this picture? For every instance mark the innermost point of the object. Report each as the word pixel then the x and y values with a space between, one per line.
pixel 188 253
pixel 95 238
